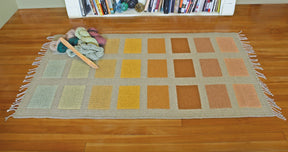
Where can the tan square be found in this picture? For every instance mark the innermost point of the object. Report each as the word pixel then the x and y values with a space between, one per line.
pixel 157 97
pixel 227 44
pixel 156 45
pixel 246 95
pixel 203 45
pixel 188 97
pixel 236 67
pixel 180 45
pixel 184 68
pixel 100 97
pixel 157 69
pixel 106 68
pixel 112 46
pixel 210 68
pixel 218 96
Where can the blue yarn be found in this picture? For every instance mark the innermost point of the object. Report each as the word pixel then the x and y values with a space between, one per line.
pixel 61 48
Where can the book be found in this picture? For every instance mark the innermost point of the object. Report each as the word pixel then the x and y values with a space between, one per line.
pixel 93 7
pixel 99 7
pixel 104 7
pixel 166 6
pixel 107 6
pixel 146 6
pixel 82 4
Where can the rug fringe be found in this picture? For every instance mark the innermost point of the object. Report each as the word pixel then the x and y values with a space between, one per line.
pixel 257 66
pixel 28 78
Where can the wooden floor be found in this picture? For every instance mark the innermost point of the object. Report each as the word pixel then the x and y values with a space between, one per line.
pixel 266 26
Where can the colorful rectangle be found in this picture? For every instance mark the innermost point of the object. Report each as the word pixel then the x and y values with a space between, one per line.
pixel 180 45
pixel 158 97
pixel 43 97
pixel 157 69
pixel 236 67
pixel 133 46
pixel 184 68
pixel 72 97
pixel 78 69
pixel 203 45
pixel 156 45
pixel 218 96
pixel 54 69
pixel 106 68
pixel 210 68
pixel 100 97
pixel 128 97
pixel 112 46
pixel 131 69
pixel 188 97
pixel 246 96
pixel 227 44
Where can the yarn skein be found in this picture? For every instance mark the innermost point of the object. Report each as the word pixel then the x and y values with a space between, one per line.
pixel 94 33
pixel 83 35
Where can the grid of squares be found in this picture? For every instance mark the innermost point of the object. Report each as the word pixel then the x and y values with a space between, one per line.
pixel 163 70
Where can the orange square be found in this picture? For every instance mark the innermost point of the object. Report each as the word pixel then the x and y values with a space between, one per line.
pixel 157 69
pixel 236 67
pixel 156 45
pixel 180 45
pixel 157 97
pixel 184 68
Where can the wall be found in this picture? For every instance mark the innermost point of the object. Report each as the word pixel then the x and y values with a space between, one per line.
pixel 7 9
pixel 22 4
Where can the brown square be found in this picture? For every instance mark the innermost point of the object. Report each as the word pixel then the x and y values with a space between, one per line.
pixel 218 96
pixel 180 45
pixel 157 97
pixel 210 68
pixel 188 97
pixel 157 68
pixel 156 45
pixel 227 44
pixel 236 67
pixel 184 68
pixel 203 45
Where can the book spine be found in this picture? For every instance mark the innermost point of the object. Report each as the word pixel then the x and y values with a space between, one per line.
pixel 157 6
pixel 93 7
pixel 82 4
pixel 99 7
pixel 166 6
pixel 172 6
pixel 180 6
pixel 146 6
pixel 104 7
pixel 107 6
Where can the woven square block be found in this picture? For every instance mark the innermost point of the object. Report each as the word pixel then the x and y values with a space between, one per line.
pixel 210 68
pixel 72 97
pixel 157 69
pixel 188 97
pixel 180 45
pixel 184 68
pixel 100 97
pixel 112 46
pixel 227 44
pixel 131 69
pixel 236 67
pixel 246 96
pixel 203 45
pixel 157 97
pixel 133 46
pixel 218 96
pixel 128 97
pixel 156 45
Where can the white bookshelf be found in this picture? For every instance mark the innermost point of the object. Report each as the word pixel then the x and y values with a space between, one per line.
pixel 73 10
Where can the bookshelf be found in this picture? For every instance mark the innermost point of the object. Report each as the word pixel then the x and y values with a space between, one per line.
pixel 73 8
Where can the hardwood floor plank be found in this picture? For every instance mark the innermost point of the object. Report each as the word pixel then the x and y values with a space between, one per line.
pixel 266 146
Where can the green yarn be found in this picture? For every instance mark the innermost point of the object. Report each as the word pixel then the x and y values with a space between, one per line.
pixel 83 35
pixel 89 50
pixel 62 48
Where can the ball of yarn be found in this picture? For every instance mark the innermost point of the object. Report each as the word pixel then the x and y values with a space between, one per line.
pixel 119 7
pixel 139 7
pixel 70 34
pixel 132 3
pixel 124 6
pixel 61 48
pixel 94 33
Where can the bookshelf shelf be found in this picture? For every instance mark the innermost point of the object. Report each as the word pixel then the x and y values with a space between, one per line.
pixel 227 8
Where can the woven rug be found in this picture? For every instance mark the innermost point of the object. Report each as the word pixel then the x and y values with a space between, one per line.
pixel 158 76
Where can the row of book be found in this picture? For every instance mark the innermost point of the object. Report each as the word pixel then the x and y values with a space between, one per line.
pixel 97 7
pixel 182 6
pixel 104 7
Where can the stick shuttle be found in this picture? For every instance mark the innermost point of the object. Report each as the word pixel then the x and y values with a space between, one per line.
pixel 82 57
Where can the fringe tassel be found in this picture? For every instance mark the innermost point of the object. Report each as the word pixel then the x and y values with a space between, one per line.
pixel 257 66
pixel 28 78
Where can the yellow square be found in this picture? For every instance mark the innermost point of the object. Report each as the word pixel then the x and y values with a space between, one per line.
pixel 107 68
pixel 131 69
pixel 133 46
pixel 129 97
